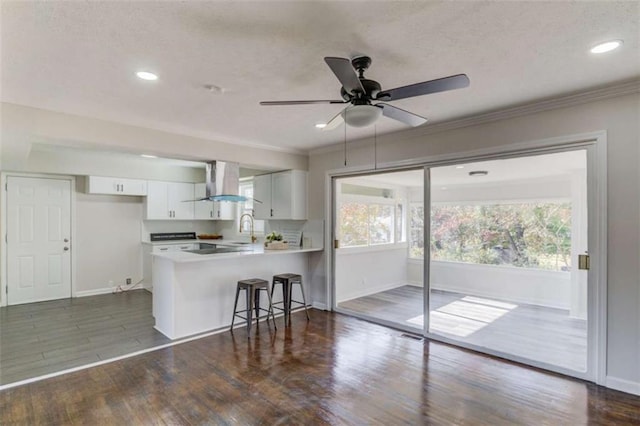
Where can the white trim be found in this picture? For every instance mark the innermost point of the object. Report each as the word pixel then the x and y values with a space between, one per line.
pixel 627 87
pixel 597 243
pixel 4 227
pixel 622 385
pixel 107 290
pixel 320 306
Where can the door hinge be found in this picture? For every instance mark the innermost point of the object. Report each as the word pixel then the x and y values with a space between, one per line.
pixel 336 244
pixel 584 262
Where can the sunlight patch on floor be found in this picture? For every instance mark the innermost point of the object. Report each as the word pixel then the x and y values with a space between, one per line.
pixel 465 316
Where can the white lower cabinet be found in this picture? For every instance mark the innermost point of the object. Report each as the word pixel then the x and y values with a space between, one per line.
pixel 169 201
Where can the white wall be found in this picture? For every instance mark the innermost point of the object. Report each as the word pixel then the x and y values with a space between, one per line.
pixel 521 285
pixel 618 116
pixel 364 271
pixel 107 246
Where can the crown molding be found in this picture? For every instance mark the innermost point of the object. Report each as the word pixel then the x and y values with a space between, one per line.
pixel 623 88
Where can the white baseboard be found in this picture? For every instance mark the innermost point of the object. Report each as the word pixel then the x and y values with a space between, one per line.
pixel 320 306
pixel 104 290
pixel 622 385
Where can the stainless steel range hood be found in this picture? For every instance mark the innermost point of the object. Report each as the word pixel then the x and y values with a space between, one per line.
pixel 223 182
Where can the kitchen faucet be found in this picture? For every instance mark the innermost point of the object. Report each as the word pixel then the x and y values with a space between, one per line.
pixel 253 237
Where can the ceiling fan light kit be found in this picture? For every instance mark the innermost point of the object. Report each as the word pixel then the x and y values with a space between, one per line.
pixel 360 92
pixel 361 115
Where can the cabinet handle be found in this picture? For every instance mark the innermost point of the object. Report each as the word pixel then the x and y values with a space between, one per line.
pixel 210 213
pixel 164 249
pixel 218 213
pixel 271 212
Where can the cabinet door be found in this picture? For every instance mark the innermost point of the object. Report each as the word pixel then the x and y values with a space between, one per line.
pixel 180 200
pixel 281 195
pixel 157 206
pixel 203 209
pixel 132 187
pixel 262 192
pixel 101 185
pixel 225 210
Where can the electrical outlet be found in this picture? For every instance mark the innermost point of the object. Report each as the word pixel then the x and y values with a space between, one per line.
pixel 128 281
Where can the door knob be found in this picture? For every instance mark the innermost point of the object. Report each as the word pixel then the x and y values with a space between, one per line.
pixel 66 240
pixel 66 249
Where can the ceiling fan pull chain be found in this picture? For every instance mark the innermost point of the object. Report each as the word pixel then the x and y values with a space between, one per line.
pixel 345 137
pixel 375 147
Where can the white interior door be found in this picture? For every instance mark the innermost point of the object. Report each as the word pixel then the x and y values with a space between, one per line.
pixel 38 239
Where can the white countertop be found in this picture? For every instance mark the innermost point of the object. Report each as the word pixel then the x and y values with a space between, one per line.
pixel 257 250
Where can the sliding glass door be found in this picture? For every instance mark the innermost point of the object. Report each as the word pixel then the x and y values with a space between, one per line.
pixel 505 238
pixel 377 270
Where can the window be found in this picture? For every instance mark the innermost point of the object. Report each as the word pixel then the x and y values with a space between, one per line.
pixel 246 189
pixel 369 216
pixel 529 235
pixel 416 230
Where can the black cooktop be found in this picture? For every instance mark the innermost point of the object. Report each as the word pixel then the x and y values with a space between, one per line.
pixel 170 236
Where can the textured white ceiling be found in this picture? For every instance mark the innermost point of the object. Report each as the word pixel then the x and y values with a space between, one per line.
pixel 80 58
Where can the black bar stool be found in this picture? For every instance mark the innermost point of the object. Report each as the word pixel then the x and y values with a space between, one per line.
pixel 287 281
pixel 253 286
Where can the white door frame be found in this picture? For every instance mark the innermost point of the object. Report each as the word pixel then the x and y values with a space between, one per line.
pixel 596 145
pixel 4 228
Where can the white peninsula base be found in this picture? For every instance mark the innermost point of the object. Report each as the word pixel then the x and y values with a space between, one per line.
pixel 194 294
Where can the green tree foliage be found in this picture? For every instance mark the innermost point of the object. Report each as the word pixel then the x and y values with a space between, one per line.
pixel 523 235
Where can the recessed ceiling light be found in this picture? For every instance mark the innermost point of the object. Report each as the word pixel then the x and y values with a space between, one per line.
pixel 459 167
pixel 607 46
pixel 478 173
pixel 145 75
pixel 321 125
pixel 148 156
pixel 214 89
pixel 444 188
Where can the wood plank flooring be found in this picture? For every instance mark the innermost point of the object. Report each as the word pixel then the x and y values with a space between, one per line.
pixel 529 331
pixel 46 337
pixel 332 370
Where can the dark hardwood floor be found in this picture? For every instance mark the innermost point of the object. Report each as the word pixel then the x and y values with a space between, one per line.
pixel 332 370
pixel 528 331
pixel 46 337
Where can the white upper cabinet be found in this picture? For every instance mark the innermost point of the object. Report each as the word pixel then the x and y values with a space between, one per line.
pixel 115 186
pixel 262 192
pixel 216 210
pixel 169 200
pixel 283 195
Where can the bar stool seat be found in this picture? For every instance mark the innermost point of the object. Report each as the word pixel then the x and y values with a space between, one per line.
pixel 252 287
pixel 288 280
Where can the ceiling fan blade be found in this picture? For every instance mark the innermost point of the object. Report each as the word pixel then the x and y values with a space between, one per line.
pixel 334 122
pixel 426 87
pixel 302 102
pixel 343 69
pixel 401 115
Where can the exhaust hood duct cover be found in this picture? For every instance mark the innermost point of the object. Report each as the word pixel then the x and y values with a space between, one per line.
pixel 223 182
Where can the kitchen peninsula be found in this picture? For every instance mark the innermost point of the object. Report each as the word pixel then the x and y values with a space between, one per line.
pixel 195 293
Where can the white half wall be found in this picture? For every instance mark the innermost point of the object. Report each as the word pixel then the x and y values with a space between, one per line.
pixel 520 285
pixel 364 271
